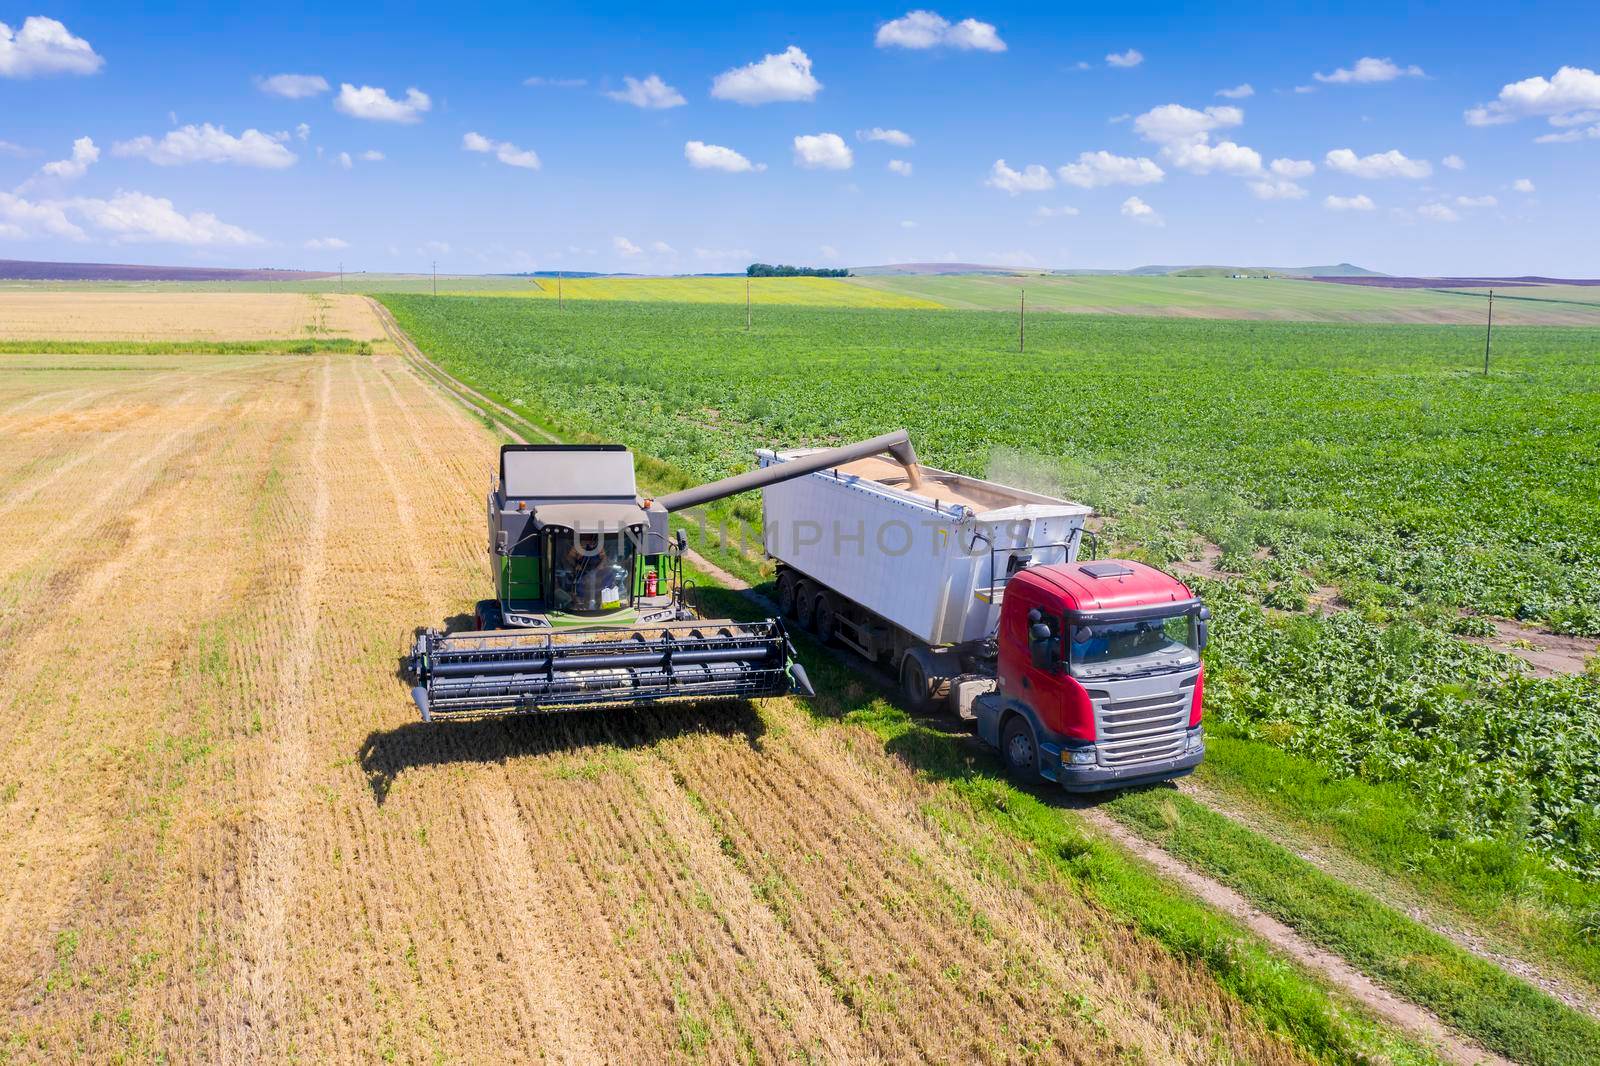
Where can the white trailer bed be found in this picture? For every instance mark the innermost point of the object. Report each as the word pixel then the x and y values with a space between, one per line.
pixel 932 558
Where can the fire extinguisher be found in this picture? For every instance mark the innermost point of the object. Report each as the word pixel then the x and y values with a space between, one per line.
pixel 650 582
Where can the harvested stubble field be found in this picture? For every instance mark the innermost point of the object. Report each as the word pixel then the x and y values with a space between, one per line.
pixel 184 316
pixel 225 838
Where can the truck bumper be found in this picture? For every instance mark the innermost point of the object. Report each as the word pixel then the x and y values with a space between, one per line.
pixel 1057 765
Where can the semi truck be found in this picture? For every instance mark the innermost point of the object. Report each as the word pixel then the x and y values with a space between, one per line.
pixel 972 593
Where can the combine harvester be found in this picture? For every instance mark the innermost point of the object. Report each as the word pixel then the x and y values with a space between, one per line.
pixel 1083 673
pixel 589 606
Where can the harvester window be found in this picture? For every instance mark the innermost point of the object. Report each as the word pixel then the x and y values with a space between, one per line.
pixel 590 573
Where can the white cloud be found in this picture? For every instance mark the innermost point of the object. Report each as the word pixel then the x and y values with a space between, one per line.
pixel 209 144
pixel 1568 136
pixel 1176 124
pixel 134 218
pixel 44 46
pixel 1369 71
pixel 436 248
pixel 898 138
pixel 1238 92
pixel 1224 158
pixel 829 251
pixel 703 156
pixel 1139 211
pixel 1277 189
pixel 1095 169
pixel 900 167
pixel 344 160
pixel 662 248
pixel 822 151
pixel 1031 178
pixel 505 151
pixel 84 153
pixel 1438 213
pixel 1131 58
pixel 1349 203
pixel 1522 185
pixel 293 86
pixel 1293 168
pixel 303 131
pixel 1390 164
pixel 326 244
pixel 24 218
pixel 652 93
pixel 556 83
pixel 1454 162
pixel 16 151
pixel 1476 201
pixel 626 247
pixel 1304 90
pixel 1570 91
pixel 372 155
pixel 375 104
pixel 906 223
pixel 1056 212
pixel 927 29
pixel 785 76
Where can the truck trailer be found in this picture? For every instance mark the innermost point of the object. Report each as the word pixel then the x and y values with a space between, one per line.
pixel 972 593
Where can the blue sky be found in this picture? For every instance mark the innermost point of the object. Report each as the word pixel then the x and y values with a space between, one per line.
pixel 1460 138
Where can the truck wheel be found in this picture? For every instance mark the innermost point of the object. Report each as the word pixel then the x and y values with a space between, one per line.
pixel 805 602
pixel 786 596
pixel 823 617
pixel 1020 750
pixel 487 615
pixel 914 685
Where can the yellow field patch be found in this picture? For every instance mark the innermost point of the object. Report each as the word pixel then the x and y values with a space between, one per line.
pixel 165 316
pixel 818 292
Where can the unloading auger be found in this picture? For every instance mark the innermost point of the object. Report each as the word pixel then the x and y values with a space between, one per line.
pixel 589 606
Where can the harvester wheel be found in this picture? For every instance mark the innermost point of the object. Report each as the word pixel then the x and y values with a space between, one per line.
pixel 786 594
pixel 1021 751
pixel 914 685
pixel 824 620
pixel 805 603
pixel 487 615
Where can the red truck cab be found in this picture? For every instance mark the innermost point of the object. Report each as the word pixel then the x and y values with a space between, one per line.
pixel 1099 681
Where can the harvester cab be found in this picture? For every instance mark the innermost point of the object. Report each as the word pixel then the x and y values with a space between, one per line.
pixel 589 607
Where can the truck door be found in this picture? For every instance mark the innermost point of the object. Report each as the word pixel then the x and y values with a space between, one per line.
pixel 1041 689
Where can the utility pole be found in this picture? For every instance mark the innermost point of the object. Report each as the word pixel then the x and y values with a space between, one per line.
pixel 436 277
pixel 1022 322
pixel 1488 334
pixel 747 304
pixel 341 276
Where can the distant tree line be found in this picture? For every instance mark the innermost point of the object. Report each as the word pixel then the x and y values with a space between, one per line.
pixel 767 270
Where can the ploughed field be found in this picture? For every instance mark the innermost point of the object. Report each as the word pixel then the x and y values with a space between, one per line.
pixel 36 314
pixel 1363 499
pixel 224 837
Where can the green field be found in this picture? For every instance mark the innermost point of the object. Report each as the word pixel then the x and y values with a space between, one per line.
pixel 1378 460
pixel 1223 297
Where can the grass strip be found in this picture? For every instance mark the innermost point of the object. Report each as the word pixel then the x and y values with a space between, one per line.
pixel 285 346
pixel 1475 997
pixel 1545 913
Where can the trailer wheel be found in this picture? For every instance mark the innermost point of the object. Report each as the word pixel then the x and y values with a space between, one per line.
pixel 1021 750
pixel 487 615
pixel 786 596
pixel 805 603
pixel 914 685
pixel 823 618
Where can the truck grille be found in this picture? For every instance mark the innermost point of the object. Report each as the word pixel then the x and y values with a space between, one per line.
pixel 1139 729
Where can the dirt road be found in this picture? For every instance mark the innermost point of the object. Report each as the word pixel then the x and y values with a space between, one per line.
pixel 224 837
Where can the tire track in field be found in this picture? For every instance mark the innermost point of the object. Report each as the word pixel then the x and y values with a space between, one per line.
pixel 256 996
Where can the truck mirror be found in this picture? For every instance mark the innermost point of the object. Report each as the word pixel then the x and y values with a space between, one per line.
pixel 1202 628
pixel 683 542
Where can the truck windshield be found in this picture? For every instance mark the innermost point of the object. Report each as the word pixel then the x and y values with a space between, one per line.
pixel 590 572
pixel 1108 649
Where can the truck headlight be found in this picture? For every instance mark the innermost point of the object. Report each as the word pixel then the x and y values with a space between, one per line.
pixel 1197 739
pixel 1082 756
